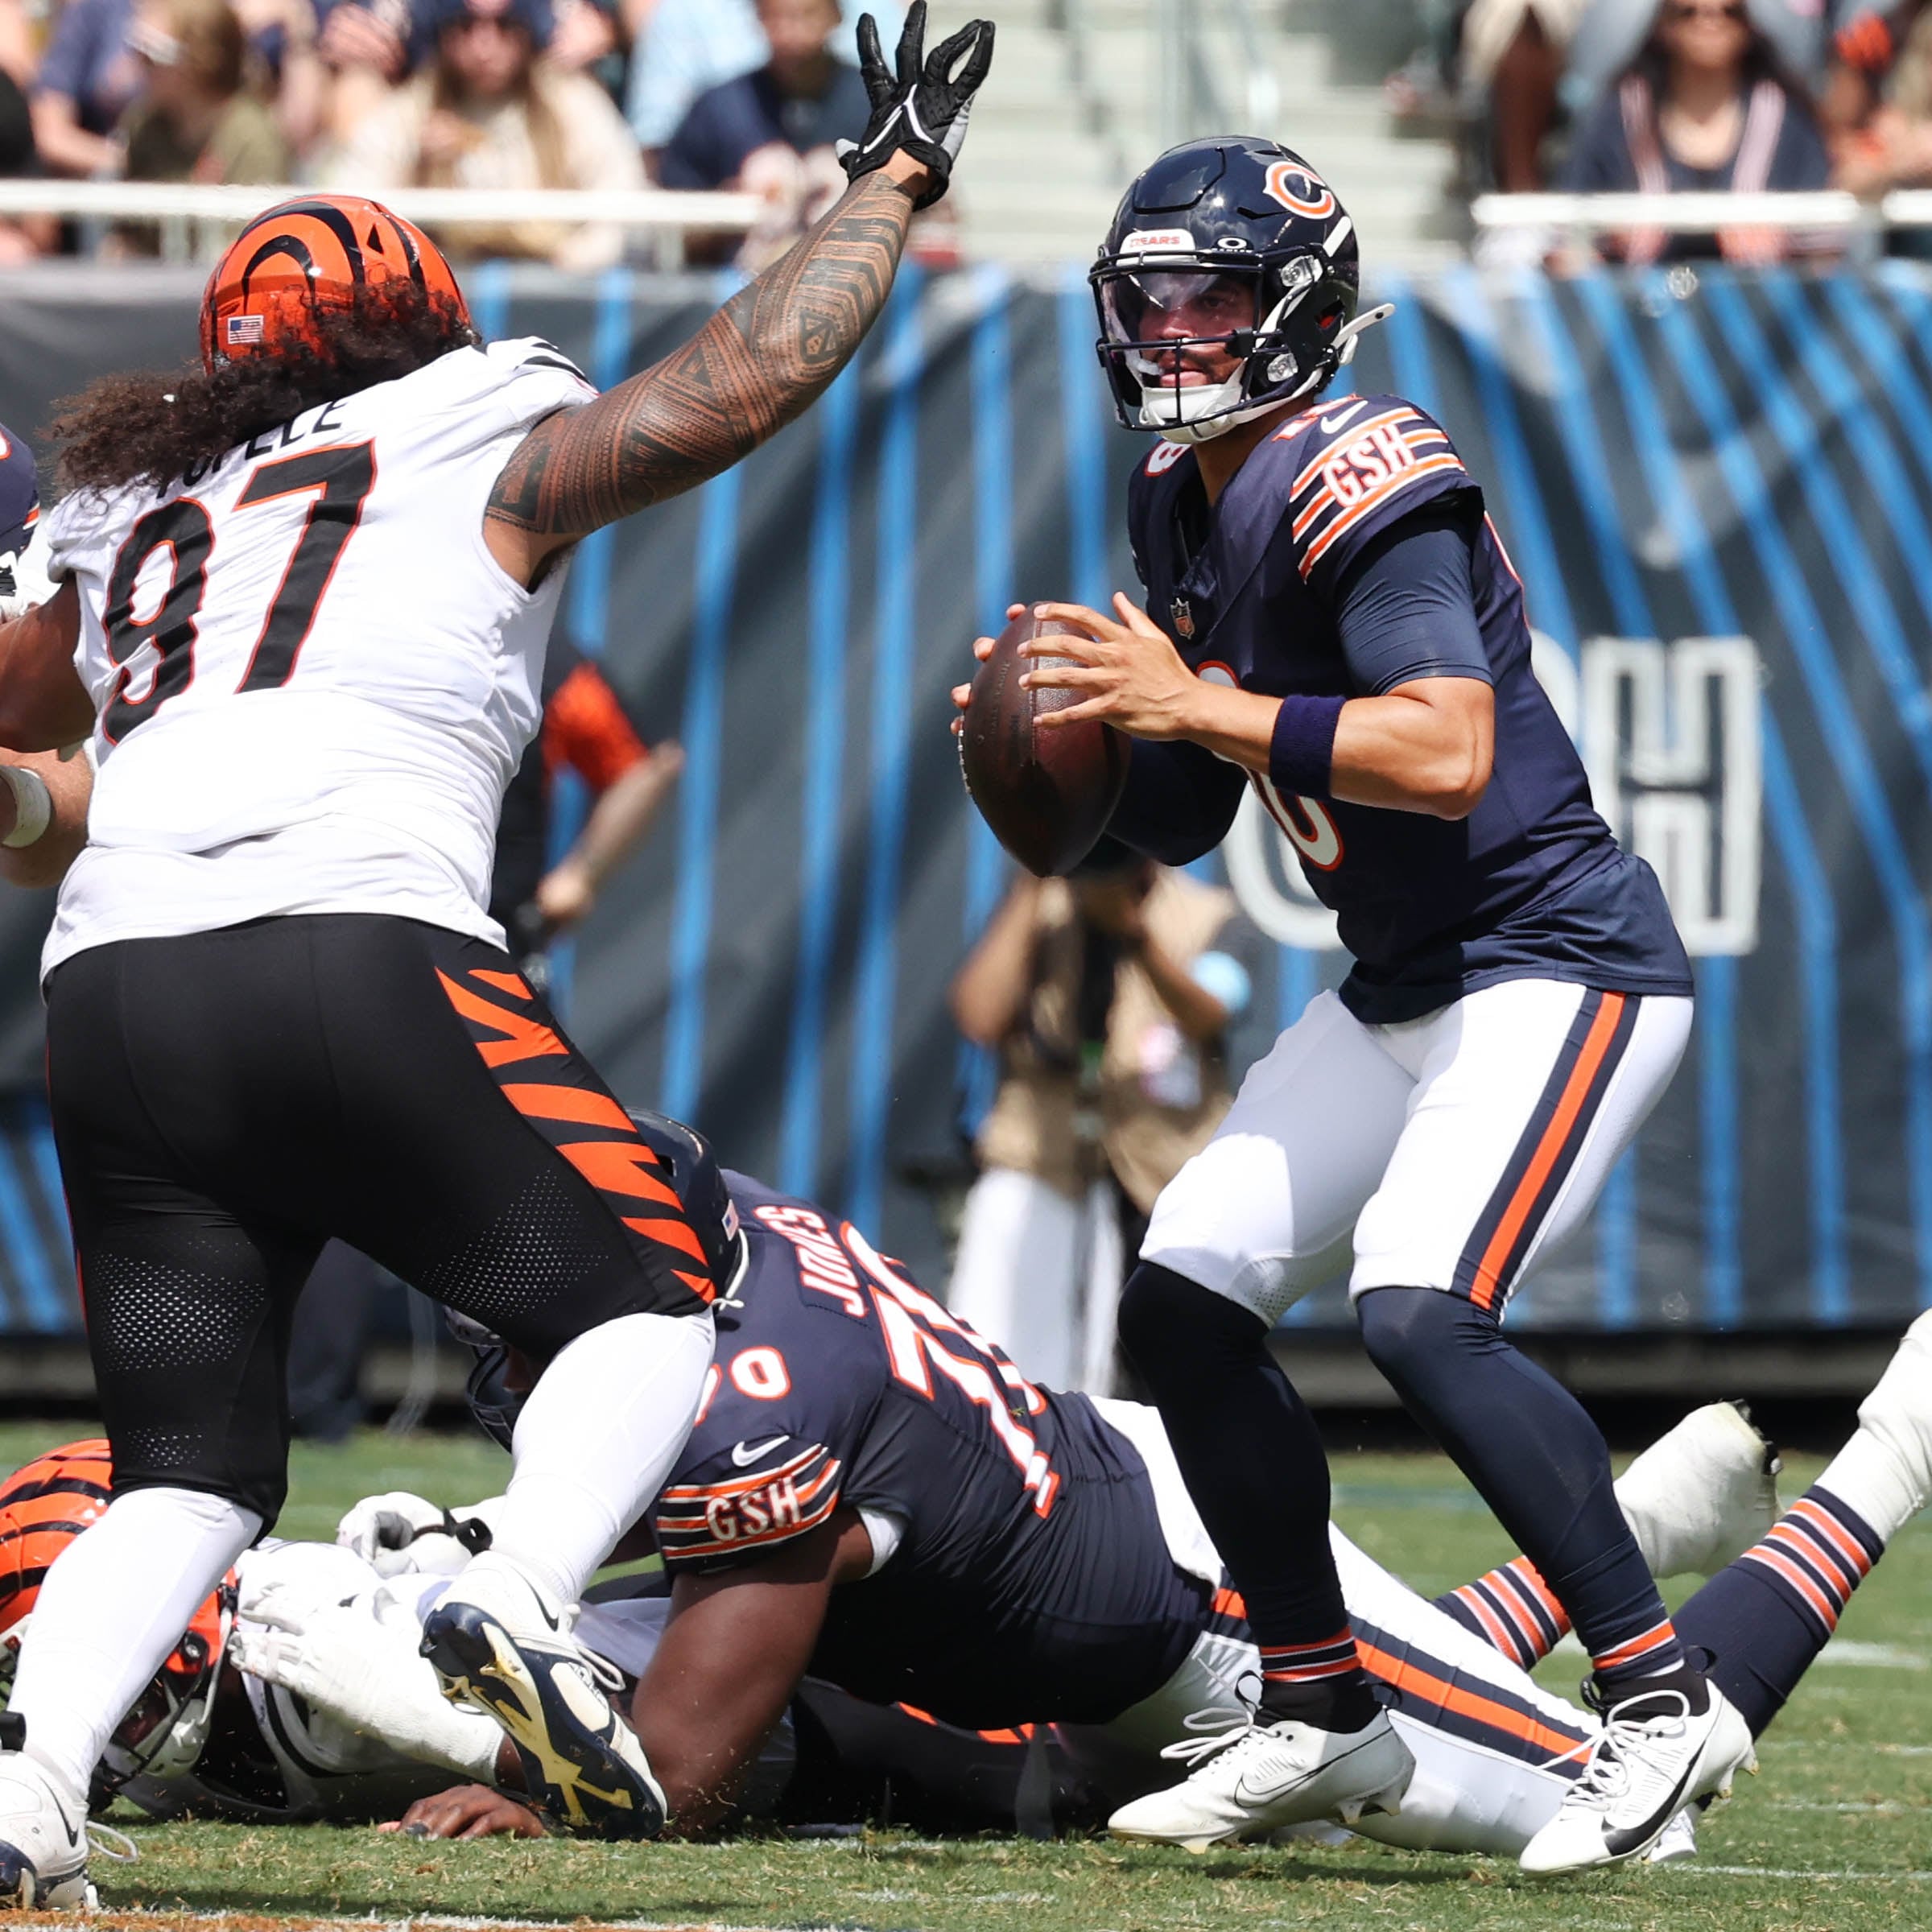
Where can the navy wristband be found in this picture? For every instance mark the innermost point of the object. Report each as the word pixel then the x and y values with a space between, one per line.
pixel 1301 753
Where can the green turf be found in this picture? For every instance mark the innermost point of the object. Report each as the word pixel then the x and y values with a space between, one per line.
pixel 1836 1834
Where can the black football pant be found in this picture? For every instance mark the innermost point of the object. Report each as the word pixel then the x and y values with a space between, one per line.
pixel 224 1102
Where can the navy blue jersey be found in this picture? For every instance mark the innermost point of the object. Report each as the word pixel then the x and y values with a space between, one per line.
pixel 1531 884
pixel 1031 1582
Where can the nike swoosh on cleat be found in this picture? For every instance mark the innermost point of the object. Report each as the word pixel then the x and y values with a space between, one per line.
pixel 1328 425
pixel 1247 1795
pixel 744 1453
pixel 1621 1844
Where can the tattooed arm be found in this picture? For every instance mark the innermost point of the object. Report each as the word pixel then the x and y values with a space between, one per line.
pixel 760 361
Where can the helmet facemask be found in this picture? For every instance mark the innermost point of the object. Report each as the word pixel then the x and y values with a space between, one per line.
pixel 1190 348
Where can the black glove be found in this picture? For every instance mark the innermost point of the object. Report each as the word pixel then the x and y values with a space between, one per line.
pixel 922 111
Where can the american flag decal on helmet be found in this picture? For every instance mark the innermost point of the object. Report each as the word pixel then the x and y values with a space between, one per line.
pixel 244 329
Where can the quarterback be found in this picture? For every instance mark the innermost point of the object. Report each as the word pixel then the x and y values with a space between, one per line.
pixel 304 596
pixel 1331 618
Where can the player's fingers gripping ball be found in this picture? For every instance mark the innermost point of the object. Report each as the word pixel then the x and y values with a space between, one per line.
pixel 1126 671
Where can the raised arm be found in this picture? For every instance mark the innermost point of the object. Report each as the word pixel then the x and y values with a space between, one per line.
pixel 773 348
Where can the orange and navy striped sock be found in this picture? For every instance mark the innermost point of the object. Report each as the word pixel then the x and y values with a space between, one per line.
pixel 1322 1683
pixel 1764 1618
pixel 1512 1610
pixel 1286 1665
pixel 1654 1651
pixel 1818 1553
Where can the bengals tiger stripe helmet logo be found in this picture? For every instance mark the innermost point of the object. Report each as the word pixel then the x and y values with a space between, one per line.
pixel 44 1506
pixel 307 254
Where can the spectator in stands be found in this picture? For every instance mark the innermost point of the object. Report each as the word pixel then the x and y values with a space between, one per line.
pixel 771 130
pixel 21 238
pixel 1512 52
pixel 195 118
pixel 485 112
pixel 1706 105
pixel 680 48
pixel 89 78
pixel 365 50
pixel 1877 104
pixel 1108 997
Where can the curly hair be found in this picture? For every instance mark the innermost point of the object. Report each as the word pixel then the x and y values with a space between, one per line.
pixel 151 427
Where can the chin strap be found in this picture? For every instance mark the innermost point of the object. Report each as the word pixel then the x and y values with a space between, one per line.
pixel 1341 353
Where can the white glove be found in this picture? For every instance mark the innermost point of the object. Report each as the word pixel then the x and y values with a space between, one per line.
pixel 396 1534
pixel 365 1672
pixel 24 582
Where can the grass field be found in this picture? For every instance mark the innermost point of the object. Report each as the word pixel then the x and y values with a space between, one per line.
pixel 1837 1832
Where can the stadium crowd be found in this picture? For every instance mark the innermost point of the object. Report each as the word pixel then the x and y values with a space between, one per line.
pixel 1675 96
pixel 373 95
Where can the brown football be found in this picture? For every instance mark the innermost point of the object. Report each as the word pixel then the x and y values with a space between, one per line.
pixel 1047 794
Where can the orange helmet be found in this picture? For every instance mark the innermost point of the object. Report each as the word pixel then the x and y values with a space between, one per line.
pixel 307 254
pixel 44 1506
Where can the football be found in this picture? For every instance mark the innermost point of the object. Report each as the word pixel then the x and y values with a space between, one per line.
pixel 1047 794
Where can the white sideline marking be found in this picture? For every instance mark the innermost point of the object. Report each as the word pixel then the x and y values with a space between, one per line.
pixel 1847 1652
pixel 1694 1867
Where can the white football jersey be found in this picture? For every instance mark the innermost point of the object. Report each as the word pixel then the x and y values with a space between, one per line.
pixel 312 681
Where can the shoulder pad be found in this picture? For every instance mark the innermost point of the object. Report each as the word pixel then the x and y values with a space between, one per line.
pixel 723 1516
pixel 1358 463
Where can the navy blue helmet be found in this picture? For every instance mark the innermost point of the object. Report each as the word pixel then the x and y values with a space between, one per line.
pixel 20 496
pixel 1230 248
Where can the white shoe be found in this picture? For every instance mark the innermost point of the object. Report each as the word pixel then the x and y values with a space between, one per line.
pixel 1252 1777
pixel 498 1642
pixel 1652 1758
pixel 42 1842
pixel 1678 1840
pixel 1899 1410
pixel 1700 1496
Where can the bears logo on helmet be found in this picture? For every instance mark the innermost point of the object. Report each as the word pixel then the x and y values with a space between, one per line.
pixel 309 255
pixel 44 1506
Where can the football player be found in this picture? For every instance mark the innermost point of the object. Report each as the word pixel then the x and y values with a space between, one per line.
pixel 1330 617
pixel 43 794
pixel 303 595
pixel 872 1493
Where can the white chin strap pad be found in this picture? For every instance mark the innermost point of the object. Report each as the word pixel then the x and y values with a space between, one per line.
pixel 1341 354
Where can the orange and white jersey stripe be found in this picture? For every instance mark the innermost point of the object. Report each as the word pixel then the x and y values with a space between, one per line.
pixel 719 1519
pixel 1362 461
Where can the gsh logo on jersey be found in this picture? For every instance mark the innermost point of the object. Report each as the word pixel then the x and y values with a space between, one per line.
pixel 1368 462
pixel 737 1519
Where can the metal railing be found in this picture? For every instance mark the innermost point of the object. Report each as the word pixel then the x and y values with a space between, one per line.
pixel 1828 214
pixel 1202 90
pixel 196 220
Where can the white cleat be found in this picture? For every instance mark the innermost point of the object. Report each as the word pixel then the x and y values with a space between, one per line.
pixel 42 1842
pixel 497 1642
pixel 1252 1778
pixel 1678 1841
pixel 1899 1410
pixel 1700 1496
pixel 1652 1758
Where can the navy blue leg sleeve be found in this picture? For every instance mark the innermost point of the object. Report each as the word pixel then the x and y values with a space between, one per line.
pixel 1536 1458
pixel 1255 1467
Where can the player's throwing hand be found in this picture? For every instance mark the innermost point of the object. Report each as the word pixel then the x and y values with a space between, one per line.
pixel 1132 677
